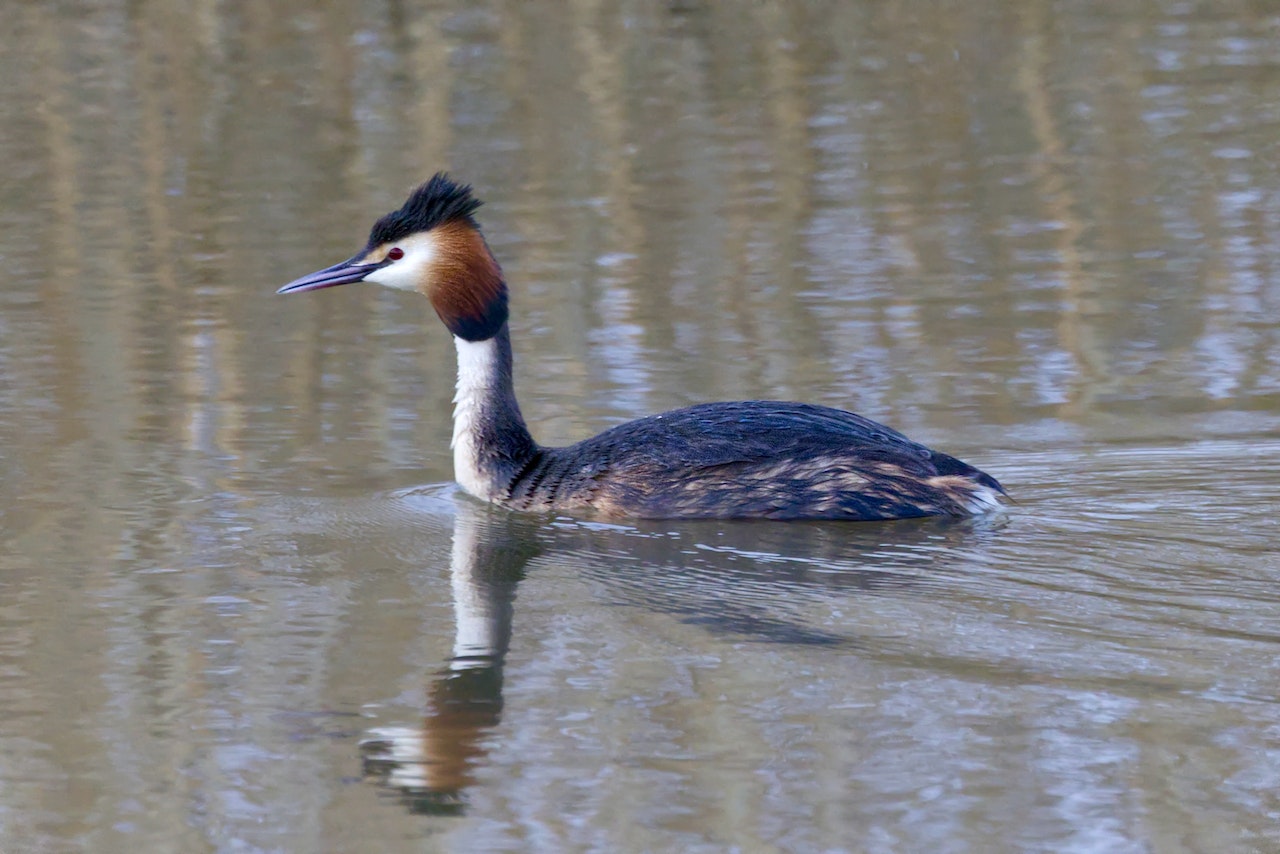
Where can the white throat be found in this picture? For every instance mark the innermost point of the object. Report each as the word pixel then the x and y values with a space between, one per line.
pixel 477 376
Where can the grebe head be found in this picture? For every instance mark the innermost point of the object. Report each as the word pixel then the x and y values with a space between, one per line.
pixel 431 245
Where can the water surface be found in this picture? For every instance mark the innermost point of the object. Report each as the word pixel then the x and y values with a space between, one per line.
pixel 242 607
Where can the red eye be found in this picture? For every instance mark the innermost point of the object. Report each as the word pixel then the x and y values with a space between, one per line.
pixel 395 253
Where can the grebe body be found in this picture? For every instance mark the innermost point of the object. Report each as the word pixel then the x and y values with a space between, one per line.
pixel 751 459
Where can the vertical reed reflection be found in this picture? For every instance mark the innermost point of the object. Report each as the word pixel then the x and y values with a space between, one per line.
pixel 1003 224
pixel 691 202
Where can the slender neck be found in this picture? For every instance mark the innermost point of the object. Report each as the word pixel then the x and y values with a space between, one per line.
pixel 491 443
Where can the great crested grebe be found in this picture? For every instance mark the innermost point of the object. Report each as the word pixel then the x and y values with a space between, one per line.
pixel 755 459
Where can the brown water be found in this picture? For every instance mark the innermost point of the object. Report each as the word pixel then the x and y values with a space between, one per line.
pixel 242 608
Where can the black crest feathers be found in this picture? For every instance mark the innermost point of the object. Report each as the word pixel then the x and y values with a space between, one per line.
pixel 435 203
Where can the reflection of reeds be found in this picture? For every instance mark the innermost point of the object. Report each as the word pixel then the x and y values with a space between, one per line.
pixel 830 202
pixel 781 202
pixel 927 218
pixel 1061 207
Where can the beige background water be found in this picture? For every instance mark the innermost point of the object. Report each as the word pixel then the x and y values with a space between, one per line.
pixel 1041 236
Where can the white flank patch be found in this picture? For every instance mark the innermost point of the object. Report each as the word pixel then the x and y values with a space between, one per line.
pixel 984 499
pixel 477 371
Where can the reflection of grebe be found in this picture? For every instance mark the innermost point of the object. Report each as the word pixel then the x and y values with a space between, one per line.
pixel 432 765
pixel 755 459
pixel 777 584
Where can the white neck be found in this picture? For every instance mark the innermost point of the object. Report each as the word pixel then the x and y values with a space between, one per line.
pixel 477 377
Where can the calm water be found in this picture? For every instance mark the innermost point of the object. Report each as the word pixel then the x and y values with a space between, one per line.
pixel 242 607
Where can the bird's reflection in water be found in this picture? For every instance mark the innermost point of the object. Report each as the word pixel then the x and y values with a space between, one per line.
pixel 430 767
pixel 744 579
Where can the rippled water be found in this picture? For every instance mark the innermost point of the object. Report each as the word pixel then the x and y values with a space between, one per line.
pixel 243 608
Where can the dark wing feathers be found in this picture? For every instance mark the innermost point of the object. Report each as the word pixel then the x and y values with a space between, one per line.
pixel 718 434
pixel 758 459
